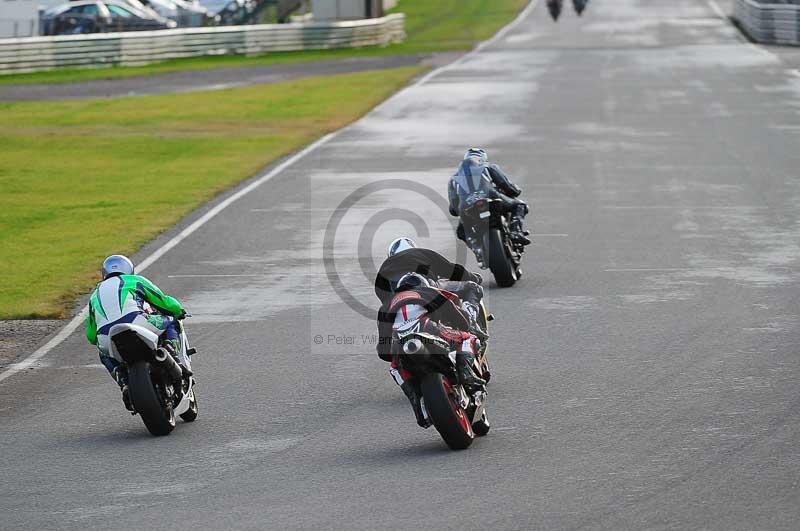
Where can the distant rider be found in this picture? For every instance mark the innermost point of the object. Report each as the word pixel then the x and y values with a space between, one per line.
pixel 121 298
pixel 476 163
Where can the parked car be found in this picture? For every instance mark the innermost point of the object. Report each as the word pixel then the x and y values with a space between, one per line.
pixel 185 13
pixel 90 16
pixel 230 12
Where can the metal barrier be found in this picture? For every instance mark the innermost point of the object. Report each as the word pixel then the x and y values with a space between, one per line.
pixel 777 22
pixel 143 47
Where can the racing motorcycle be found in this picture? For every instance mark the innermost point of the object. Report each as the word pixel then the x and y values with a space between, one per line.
pixel 554 7
pixel 486 229
pixel 159 387
pixel 488 235
pixel 580 6
pixel 458 414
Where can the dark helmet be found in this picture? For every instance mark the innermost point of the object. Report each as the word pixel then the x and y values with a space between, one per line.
pixel 401 244
pixel 412 281
pixel 116 264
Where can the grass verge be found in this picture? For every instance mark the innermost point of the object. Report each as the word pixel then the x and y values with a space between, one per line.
pixel 82 179
pixel 431 26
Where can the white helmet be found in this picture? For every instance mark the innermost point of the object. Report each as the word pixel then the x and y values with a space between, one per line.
pixel 401 244
pixel 116 264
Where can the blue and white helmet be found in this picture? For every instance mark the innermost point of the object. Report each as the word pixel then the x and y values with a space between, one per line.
pixel 116 264
pixel 401 244
pixel 477 153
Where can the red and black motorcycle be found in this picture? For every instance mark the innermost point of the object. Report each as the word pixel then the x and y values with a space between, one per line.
pixel 457 413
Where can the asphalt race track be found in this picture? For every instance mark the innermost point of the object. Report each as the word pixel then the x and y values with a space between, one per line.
pixel 646 367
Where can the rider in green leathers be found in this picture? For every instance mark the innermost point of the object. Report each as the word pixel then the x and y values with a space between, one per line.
pixel 123 297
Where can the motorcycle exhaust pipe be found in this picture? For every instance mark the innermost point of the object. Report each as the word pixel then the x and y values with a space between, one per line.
pixel 413 346
pixel 168 363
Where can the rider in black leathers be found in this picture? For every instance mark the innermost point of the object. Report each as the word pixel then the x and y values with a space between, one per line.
pixel 476 162
pixel 458 325
pixel 405 257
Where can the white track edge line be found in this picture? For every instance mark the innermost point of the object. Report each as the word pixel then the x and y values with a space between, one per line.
pixel 717 9
pixel 76 321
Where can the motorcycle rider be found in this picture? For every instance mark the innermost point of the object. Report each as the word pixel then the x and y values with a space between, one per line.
pixel 121 297
pixel 580 6
pixel 476 162
pixel 419 302
pixel 554 7
pixel 406 257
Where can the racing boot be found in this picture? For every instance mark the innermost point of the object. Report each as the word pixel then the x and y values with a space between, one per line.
pixel 122 381
pixel 518 234
pixel 126 398
pixel 414 397
pixel 460 234
pixel 466 376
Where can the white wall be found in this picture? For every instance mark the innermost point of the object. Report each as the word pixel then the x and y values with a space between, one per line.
pixel 337 9
pixel 20 18
pixel 347 9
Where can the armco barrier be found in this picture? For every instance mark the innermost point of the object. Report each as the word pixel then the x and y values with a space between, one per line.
pixel 775 22
pixel 34 54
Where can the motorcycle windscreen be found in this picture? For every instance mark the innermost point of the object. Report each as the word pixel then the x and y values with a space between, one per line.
pixel 472 178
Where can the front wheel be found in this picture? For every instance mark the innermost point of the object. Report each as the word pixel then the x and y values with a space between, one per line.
pixel 500 262
pixel 447 415
pixel 159 418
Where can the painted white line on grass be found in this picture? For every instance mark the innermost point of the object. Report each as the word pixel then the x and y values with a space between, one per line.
pixel 76 321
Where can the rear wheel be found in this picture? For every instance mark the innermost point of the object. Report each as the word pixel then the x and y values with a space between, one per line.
pixel 447 415
pixel 500 263
pixel 157 417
